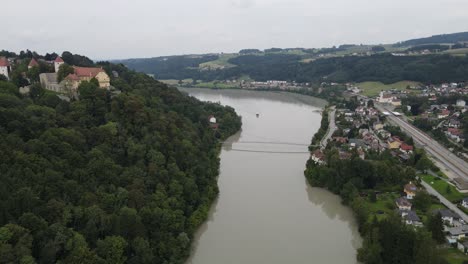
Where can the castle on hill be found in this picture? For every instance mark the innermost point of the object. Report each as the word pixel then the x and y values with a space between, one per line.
pixel 71 82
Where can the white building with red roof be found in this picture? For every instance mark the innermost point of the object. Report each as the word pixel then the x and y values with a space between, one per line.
pixel 33 63
pixel 5 67
pixel 57 63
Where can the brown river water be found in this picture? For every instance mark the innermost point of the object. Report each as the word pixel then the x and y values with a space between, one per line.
pixel 266 212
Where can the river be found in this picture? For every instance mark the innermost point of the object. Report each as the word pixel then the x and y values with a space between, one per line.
pixel 266 212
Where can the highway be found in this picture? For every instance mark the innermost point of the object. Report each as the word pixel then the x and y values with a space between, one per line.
pixel 449 161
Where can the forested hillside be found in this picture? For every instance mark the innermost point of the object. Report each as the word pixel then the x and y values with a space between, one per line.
pixel 107 178
pixel 381 67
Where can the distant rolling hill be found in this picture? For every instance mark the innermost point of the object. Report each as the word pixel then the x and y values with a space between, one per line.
pixel 345 63
pixel 437 39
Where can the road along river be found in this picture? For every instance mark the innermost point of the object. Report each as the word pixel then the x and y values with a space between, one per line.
pixel 266 212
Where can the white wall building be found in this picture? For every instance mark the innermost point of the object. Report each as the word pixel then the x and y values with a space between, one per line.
pixel 57 63
pixel 5 67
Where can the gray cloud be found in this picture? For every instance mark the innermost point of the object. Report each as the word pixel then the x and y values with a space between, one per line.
pixel 143 28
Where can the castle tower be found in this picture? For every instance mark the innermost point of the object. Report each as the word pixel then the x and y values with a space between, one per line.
pixel 57 62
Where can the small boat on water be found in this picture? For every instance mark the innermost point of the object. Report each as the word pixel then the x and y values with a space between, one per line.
pixel 258 115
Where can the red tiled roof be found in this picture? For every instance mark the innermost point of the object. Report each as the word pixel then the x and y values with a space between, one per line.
pixel 445 112
pixel 87 71
pixel 33 63
pixel 72 77
pixel 406 147
pixel 4 62
pixel 58 59
pixel 454 131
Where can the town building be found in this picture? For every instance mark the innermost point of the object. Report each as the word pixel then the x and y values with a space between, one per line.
pixel 403 204
pixel 405 148
pixel 461 103
pixel 212 119
pixel 57 63
pixel 454 134
pixel 318 157
pixel 443 114
pixel 5 67
pixel 73 80
pixel 33 63
pixel 458 232
pixel 463 246
pixel 410 190
pixel 49 82
pixel 410 217
pixel 464 202
pixel 448 216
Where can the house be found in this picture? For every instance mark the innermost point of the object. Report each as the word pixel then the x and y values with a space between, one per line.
pixel 396 102
pixel 464 202
pixel 378 126
pixel 384 134
pixel 385 97
pixel 454 134
pixel 405 148
pixel 403 204
pixel 447 215
pixel 458 232
pixel 212 119
pixel 318 157
pixel 461 103
pixel 342 140
pixel 356 143
pixel 394 143
pixel 410 217
pixel 80 74
pixel 463 246
pixel 49 82
pixel 454 123
pixel 57 63
pixel 33 63
pixel 410 190
pixel 443 114
pixel 5 67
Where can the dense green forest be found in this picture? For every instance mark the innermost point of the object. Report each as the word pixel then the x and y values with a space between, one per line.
pixel 109 178
pixel 436 39
pixel 381 67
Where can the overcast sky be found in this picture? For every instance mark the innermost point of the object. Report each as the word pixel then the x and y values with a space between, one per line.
pixel 111 29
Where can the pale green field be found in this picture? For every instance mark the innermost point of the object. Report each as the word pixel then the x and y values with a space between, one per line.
pixel 374 88
pixel 217 85
pixel 221 62
pixel 175 82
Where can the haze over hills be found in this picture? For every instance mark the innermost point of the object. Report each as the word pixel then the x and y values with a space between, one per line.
pixel 435 59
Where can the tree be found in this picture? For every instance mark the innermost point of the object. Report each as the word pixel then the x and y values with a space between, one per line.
pixel 33 74
pixel 422 201
pixel 64 71
pixel 436 227
pixel 111 249
pixel 424 164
